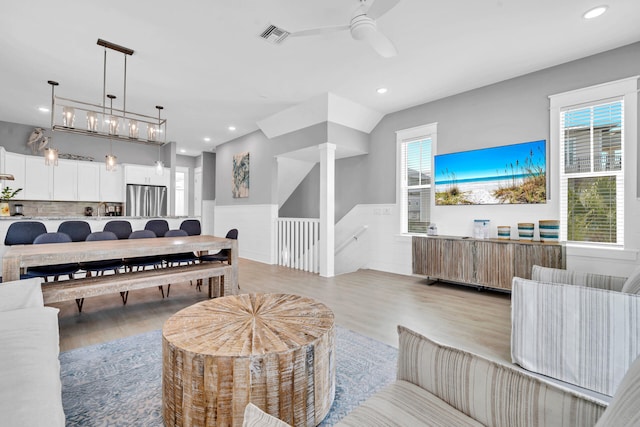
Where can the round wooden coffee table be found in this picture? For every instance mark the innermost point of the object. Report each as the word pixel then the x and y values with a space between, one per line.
pixel 274 350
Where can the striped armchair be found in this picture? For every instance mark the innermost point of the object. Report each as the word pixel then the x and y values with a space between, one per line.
pixel 580 328
pixel 438 385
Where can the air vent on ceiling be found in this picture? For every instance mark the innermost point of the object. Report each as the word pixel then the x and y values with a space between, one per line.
pixel 274 35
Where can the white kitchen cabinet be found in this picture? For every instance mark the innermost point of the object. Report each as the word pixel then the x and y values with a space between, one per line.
pixel 65 180
pixel 111 184
pixel 14 164
pixel 145 175
pixel 88 182
pixel 38 179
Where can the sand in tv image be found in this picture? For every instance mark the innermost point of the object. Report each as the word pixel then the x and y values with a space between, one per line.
pixel 510 174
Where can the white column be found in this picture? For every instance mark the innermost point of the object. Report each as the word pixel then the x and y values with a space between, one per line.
pixel 327 208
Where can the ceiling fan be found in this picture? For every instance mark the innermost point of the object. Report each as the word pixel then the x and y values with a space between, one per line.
pixel 363 26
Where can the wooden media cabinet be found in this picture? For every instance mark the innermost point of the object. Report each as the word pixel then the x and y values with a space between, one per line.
pixel 489 263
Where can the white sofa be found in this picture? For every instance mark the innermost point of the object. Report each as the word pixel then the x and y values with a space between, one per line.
pixel 580 328
pixel 438 385
pixel 30 387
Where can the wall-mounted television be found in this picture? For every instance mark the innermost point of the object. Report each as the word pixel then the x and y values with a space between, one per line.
pixel 509 174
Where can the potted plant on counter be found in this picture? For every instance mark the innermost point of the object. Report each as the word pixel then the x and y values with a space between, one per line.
pixel 6 195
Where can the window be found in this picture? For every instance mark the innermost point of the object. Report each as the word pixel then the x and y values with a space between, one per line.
pixel 415 148
pixel 590 125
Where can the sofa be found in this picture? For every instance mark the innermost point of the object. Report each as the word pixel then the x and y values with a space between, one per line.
pixel 30 387
pixel 439 385
pixel 578 327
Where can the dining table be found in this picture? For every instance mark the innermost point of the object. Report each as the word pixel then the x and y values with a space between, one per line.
pixel 18 258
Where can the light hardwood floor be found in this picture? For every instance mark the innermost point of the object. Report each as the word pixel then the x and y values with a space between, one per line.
pixel 370 302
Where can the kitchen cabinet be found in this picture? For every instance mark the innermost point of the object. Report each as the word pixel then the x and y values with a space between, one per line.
pixel 14 164
pixel 88 182
pixel 38 179
pixel 65 180
pixel 145 175
pixel 111 184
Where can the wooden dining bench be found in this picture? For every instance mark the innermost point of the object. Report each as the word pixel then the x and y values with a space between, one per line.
pixel 79 289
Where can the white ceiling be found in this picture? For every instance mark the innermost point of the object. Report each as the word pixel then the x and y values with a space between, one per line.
pixel 205 63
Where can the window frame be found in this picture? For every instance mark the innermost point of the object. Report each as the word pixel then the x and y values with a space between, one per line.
pixel 404 137
pixel 625 90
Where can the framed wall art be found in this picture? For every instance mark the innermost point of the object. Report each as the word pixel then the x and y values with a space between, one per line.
pixel 240 180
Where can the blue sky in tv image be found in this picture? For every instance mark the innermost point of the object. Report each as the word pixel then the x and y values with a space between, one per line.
pixel 489 164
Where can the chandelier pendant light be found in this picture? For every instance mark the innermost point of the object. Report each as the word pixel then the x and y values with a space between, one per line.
pixel 50 153
pixel 111 161
pixel 93 120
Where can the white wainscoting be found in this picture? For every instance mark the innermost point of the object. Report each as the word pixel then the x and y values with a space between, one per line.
pixel 380 247
pixel 256 229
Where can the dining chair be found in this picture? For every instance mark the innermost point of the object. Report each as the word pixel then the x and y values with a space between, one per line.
pixel 191 226
pixel 24 232
pixel 142 262
pixel 121 228
pixel 99 267
pixel 57 270
pixel 223 255
pixel 183 257
pixel 77 230
pixel 158 226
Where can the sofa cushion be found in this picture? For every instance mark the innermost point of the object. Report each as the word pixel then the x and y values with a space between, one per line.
pixel 21 294
pixel 31 391
pixel 404 404
pixel 623 409
pixel 632 284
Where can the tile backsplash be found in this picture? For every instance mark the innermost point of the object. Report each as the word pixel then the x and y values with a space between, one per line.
pixel 44 208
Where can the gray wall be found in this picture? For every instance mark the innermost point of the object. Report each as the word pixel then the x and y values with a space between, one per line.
pixel 208 176
pixel 304 202
pixel 508 112
pixel 14 137
pixel 262 165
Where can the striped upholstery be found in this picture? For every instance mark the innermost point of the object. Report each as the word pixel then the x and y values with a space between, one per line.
pixel 623 409
pixel 590 280
pixel 406 404
pixel 632 285
pixel 439 385
pixel 492 393
pixel 584 336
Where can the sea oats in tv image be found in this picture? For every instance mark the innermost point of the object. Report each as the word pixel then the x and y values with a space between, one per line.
pixel 509 174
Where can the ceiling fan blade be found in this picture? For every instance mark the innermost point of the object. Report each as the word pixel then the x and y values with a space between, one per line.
pixel 319 31
pixel 380 7
pixel 381 44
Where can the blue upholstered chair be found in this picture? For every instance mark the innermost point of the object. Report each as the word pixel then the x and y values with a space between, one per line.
pixel 121 228
pixel 57 270
pixel 158 226
pixel 99 267
pixel 77 230
pixel 223 255
pixel 24 232
pixel 191 226
pixel 142 262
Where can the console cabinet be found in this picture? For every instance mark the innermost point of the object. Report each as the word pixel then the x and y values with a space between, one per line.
pixel 488 263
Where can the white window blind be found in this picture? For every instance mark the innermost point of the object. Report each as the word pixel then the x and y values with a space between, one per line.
pixel 591 172
pixel 416 177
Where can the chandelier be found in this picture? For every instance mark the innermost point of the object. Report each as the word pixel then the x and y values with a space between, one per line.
pixel 105 121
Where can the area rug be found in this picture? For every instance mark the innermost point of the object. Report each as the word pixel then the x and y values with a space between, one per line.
pixel 118 383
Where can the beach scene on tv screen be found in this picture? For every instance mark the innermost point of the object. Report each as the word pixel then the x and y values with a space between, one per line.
pixel 509 174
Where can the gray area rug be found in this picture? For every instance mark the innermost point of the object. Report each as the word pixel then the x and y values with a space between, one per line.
pixel 119 383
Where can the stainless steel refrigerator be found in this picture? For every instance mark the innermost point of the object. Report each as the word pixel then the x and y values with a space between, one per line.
pixel 146 200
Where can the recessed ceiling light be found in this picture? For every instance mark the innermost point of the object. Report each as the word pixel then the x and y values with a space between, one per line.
pixel 595 12
pixel 232 128
pixel 182 150
pixel 382 90
pixel 207 139
pixel 43 109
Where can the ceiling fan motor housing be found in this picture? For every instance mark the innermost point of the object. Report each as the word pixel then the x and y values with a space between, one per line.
pixel 361 26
